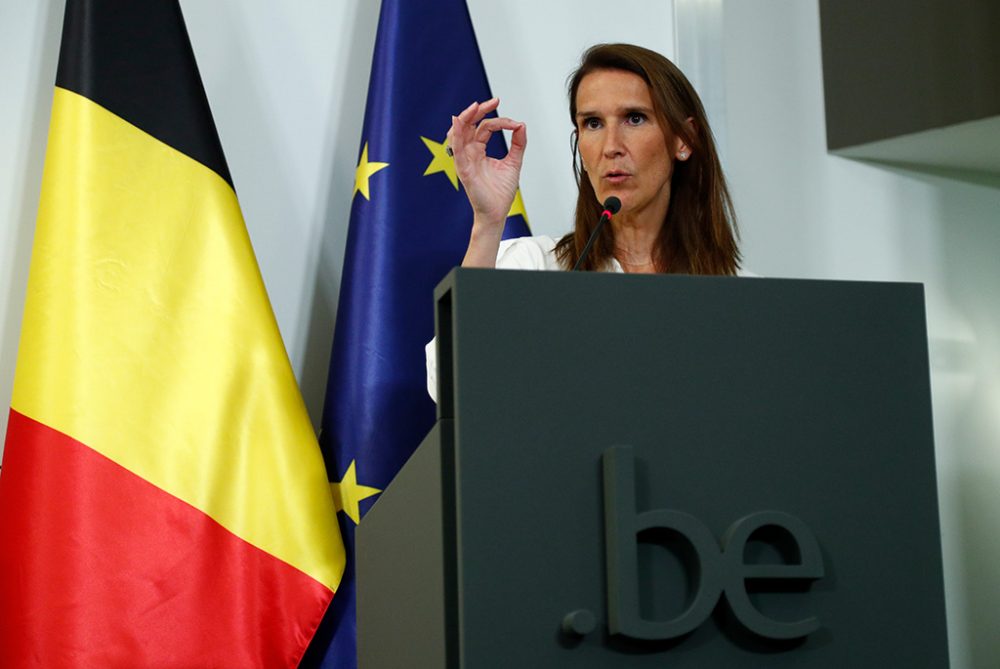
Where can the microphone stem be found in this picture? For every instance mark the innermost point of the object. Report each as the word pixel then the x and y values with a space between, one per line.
pixel 605 217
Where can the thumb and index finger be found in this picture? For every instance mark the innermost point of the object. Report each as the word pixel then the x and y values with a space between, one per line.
pixel 471 125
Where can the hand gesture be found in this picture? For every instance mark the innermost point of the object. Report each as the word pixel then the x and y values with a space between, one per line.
pixel 490 184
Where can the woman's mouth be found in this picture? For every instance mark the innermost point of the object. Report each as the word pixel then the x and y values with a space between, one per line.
pixel 616 176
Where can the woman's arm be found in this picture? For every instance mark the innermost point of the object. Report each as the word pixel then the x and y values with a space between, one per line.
pixel 490 184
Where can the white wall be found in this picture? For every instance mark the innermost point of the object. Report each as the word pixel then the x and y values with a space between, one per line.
pixel 287 84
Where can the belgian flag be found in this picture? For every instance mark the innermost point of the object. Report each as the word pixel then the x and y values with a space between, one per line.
pixel 163 500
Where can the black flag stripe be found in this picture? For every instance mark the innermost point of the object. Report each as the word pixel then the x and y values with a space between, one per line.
pixel 140 66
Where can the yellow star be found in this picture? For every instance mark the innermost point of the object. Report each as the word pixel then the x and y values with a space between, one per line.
pixel 517 207
pixel 442 162
pixel 364 171
pixel 347 494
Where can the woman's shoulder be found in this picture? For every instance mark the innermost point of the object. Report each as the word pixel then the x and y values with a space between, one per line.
pixel 536 253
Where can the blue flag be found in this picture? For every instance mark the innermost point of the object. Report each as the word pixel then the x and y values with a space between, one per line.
pixel 410 225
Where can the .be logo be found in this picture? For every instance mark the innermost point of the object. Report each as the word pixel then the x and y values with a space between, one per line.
pixel 719 571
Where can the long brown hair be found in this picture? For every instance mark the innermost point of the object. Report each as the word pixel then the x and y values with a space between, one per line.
pixel 699 233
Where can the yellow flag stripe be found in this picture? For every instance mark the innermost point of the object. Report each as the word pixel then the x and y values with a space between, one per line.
pixel 148 336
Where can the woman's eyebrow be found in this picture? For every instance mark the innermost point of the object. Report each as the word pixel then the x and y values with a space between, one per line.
pixel 624 109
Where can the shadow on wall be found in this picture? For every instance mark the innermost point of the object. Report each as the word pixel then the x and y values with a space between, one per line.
pixel 966 376
pixel 971 243
pixel 320 314
pixel 935 175
pixel 44 57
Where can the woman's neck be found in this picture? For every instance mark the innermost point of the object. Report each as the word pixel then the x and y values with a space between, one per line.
pixel 636 246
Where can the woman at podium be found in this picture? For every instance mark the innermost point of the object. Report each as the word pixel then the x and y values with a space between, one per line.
pixel 641 136
pixel 644 161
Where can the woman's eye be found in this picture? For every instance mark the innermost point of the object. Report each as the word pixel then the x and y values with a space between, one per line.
pixel 591 123
pixel 636 118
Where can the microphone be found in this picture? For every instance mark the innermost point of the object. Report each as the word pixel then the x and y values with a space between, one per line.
pixel 611 207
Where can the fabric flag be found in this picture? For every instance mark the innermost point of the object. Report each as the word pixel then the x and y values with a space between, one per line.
pixel 163 498
pixel 410 224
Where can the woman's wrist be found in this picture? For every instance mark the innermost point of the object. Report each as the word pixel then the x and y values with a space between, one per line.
pixel 484 242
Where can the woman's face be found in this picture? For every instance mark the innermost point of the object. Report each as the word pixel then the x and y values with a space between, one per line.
pixel 624 150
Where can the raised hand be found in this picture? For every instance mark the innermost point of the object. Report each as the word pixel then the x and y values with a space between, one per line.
pixel 490 184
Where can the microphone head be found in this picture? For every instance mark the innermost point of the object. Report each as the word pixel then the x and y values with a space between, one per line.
pixel 612 205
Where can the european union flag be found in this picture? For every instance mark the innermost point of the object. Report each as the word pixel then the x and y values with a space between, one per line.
pixel 410 224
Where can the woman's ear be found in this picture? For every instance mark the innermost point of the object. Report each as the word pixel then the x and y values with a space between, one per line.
pixel 682 151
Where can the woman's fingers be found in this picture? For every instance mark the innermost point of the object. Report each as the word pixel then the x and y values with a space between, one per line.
pixel 477 111
pixel 464 126
pixel 452 139
pixel 490 125
pixel 471 128
pixel 518 142
pixel 518 139
pixel 462 134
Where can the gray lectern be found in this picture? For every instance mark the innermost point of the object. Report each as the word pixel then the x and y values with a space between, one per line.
pixel 664 471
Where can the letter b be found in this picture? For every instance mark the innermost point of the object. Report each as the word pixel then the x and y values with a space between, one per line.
pixel 622 525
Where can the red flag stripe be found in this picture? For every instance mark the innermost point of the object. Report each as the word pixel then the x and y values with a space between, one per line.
pixel 92 539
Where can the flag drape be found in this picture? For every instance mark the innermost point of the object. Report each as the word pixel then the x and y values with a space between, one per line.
pixel 163 499
pixel 410 224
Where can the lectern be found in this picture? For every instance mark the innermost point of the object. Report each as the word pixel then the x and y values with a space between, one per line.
pixel 664 471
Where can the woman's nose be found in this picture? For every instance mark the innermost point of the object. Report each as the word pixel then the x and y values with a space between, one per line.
pixel 614 142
